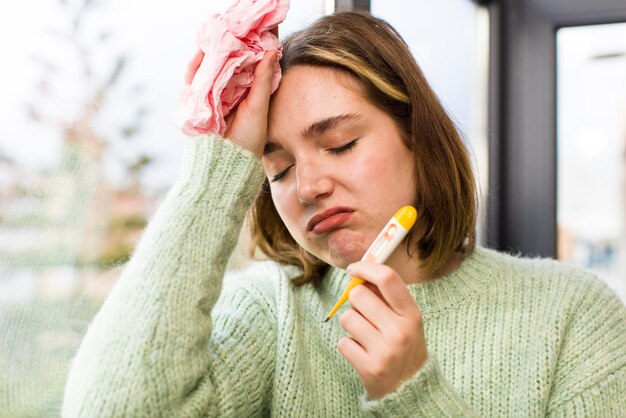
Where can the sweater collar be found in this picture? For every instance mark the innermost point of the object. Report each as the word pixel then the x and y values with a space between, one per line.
pixel 469 279
pixel 438 295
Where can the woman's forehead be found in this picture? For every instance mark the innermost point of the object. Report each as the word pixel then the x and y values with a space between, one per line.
pixel 300 80
pixel 309 94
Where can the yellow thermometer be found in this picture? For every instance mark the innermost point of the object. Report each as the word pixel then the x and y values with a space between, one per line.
pixel 382 247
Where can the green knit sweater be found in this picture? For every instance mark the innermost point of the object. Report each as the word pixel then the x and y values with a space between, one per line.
pixel 506 336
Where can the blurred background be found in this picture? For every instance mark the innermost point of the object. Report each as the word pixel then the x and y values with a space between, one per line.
pixel 88 148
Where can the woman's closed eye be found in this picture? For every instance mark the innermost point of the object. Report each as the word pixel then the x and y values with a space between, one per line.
pixel 282 174
pixel 343 148
pixel 333 151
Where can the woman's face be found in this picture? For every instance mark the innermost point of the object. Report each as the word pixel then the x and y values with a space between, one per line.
pixel 337 165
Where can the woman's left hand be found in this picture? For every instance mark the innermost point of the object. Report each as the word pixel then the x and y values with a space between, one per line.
pixel 387 344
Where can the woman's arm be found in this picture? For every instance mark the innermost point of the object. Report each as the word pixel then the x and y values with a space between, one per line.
pixel 149 351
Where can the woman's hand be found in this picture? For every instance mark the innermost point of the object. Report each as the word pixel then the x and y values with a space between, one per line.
pixel 387 344
pixel 247 124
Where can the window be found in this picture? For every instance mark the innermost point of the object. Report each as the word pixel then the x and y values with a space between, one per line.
pixel 591 149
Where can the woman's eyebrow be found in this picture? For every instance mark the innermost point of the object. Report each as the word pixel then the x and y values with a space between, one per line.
pixel 271 147
pixel 323 125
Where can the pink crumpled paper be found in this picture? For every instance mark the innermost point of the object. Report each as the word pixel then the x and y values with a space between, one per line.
pixel 233 43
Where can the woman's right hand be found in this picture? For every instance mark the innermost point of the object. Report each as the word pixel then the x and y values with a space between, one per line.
pixel 247 124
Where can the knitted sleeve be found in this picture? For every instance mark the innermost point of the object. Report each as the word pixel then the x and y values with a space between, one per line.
pixel 154 349
pixel 590 379
pixel 425 394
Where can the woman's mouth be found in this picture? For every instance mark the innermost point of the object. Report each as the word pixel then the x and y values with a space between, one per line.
pixel 329 219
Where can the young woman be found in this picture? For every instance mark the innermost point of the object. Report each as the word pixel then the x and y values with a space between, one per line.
pixel 353 133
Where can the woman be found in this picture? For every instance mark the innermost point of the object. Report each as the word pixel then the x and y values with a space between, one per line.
pixel 353 133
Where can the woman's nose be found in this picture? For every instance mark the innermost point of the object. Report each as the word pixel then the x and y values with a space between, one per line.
pixel 313 183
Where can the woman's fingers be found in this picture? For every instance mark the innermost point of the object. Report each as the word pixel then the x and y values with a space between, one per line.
pixel 261 89
pixel 193 66
pixel 390 285
pixel 361 330
pixel 353 352
pixel 372 306
pixel 248 127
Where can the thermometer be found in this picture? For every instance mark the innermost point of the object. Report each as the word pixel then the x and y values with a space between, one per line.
pixel 382 247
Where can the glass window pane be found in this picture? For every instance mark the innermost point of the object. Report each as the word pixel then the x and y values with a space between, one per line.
pixel 591 214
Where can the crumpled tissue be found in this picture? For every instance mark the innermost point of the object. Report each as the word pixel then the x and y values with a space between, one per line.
pixel 233 43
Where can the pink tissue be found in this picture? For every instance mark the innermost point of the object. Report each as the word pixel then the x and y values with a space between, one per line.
pixel 233 43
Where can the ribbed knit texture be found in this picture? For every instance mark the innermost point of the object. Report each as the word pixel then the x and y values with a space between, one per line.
pixel 506 336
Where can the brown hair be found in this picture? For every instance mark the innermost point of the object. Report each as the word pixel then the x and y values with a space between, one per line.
pixel 371 52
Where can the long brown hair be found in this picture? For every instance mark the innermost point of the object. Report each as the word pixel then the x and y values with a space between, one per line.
pixel 372 53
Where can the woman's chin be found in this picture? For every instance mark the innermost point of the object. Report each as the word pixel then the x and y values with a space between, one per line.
pixel 344 249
